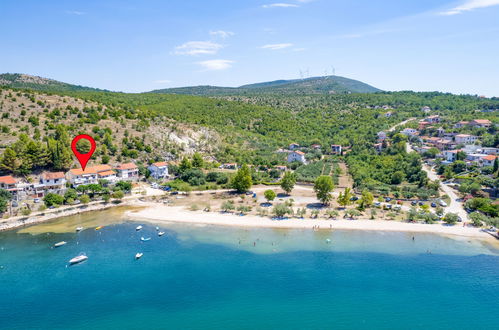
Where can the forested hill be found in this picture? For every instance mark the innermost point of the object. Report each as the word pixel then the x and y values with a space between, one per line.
pixel 315 85
pixel 24 81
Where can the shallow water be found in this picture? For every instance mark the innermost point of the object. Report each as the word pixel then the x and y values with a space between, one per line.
pixel 214 277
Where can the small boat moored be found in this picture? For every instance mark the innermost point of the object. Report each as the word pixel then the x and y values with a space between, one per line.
pixel 78 259
pixel 79 229
pixel 60 244
pixel 138 255
pixel 138 228
pixel 157 228
pixel 145 239
pixel 99 228
pixel 161 233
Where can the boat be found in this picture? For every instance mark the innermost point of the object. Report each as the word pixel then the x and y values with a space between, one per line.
pixel 78 259
pixel 161 233
pixel 138 228
pixel 60 244
pixel 138 255
pixel 79 229
pixel 328 240
pixel 157 228
pixel 99 228
pixel 145 239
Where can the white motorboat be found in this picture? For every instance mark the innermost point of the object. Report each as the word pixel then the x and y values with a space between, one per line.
pixel 161 233
pixel 138 228
pixel 60 244
pixel 138 255
pixel 78 259
pixel 157 228
pixel 145 239
pixel 79 229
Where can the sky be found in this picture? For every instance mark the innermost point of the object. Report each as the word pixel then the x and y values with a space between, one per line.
pixel 136 46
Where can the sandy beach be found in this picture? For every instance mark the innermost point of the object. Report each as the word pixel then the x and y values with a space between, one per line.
pixel 155 213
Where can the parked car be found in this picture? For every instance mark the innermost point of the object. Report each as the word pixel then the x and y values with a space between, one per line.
pixel 37 200
pixel 387 199
pixel 420 203
pixel 414 203
pixel 377 204
pixel 154 185
pixel 354 198
pixel 442 203
pixel 389 206
pixel 433 204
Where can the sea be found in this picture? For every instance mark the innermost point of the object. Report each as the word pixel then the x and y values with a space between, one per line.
pixel 209 277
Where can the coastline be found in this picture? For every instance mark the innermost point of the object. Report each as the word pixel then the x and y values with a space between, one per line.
pixel 40 217
pixel 154 213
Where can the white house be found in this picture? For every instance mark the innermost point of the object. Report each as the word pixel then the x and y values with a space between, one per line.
pixel 381 136
pixel 465 139
pixel 78 177
pixel 461 124
pixel 159 170
pixel 480 123
pixel 336 149
pixel 109 176
pixel 426 109
pixel 488 160
pixel 128 172
pixel 433 119
pixel 490 151
pixel 294 146
pixel 409 131
pixel 54 182
pixel 450 155
pixel 297 156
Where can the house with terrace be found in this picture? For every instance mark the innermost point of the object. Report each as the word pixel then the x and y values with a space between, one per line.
pixel 128 172
pixel 159 170
pixel 78 177
pixel 297 156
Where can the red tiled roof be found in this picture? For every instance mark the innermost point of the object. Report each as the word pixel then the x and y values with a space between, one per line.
pixel 489 157
pixel 90 170
pixel 7 179
pixel 299 152
pixel 127 166
pixel 52 175
pixel 482 121
pixel 106 173
pixel 159 164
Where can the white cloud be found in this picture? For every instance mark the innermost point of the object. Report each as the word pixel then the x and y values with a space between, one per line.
pixel 164 81
pixel 276 46
pixel 280 5
pixel 222 34
pixel 299 49
pixel 470 5
pixel 75 12
pixel 216 64
pixel 197 48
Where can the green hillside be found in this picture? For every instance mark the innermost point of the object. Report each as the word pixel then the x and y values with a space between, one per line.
pixel 315 85
pixel 24 81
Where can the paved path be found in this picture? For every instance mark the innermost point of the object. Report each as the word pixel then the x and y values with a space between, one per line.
pixel 401 123
pixel 455 206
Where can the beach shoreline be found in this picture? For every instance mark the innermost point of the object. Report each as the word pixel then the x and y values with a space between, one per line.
pixel 157 214
pixel 41 217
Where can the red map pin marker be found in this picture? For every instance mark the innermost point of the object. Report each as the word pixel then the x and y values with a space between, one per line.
pixel 83 158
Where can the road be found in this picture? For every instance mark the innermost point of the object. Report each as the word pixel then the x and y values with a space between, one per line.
pixel 455 206
pixel 400 124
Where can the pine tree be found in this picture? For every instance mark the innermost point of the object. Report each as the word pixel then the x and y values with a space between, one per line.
pixel 288 182
pixel 242 180
pixel 9 161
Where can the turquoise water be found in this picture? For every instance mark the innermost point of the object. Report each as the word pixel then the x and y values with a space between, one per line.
pixel 213 278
